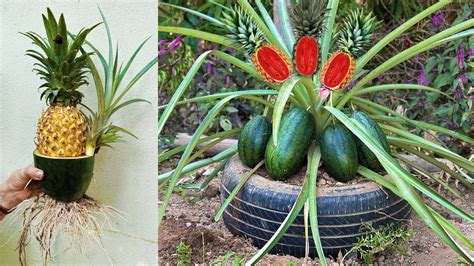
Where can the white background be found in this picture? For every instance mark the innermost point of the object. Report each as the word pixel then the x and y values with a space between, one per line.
pixel 124 178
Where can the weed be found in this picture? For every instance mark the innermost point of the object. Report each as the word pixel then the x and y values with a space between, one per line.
pixel 229 259
pixel 390 238
pixel 184 253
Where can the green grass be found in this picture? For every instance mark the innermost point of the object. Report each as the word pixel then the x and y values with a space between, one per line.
pixel 184 253
pixel 229 259
pixel 390 238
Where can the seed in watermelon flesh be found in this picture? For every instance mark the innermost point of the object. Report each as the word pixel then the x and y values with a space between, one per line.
pixel 338 71
pixel 272 64
pixel 306 55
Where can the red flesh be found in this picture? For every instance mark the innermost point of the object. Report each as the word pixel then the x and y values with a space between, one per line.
pixel 306 55
pixel 273 64
pixel 337 70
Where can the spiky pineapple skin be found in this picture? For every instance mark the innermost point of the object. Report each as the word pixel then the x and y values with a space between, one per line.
pixel 356 32
pixel 308 18
pixel 62 132
pixel 267 77
pixel 348 76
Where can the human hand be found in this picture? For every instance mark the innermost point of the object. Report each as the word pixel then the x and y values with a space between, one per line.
pixel 15 190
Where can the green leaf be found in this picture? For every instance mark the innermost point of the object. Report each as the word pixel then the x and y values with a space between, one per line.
pixel 272 27
pixel 236 190
pixel 196 13
pixel 209 178
pixel 285 25
pixel 282 99
pixel 187 152
pixel 314 156
pixel 400 87
pixel 290 218
pixel 402 180
pixel 214 38
pixel 327 35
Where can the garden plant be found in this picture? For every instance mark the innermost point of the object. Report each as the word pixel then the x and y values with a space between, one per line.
pixel 314 64
pixel 67 139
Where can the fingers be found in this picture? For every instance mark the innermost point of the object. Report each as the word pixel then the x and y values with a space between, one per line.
pixel 20 178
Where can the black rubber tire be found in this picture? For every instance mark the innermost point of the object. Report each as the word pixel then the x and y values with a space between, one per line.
pixel 262 204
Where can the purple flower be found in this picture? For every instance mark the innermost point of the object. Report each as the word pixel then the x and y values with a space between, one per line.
pixel 405 81
pixel 162 42
pixel 209 67
pixel 228 81
pixel 437 19
pixel 161 52
pixel 422 79
pixel 215 72
pixel 174 44
pixel 471 54
pixel 457 94
pixel 463 78
pixel 460 57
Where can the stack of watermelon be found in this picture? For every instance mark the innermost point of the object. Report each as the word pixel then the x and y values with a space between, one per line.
pixel 341 151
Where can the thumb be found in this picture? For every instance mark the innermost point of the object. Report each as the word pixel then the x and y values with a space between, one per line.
pixel 20 178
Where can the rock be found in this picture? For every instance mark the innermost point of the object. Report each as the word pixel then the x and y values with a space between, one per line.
pixel 339 184
pixel 322 182
pixel 381 259
pixel 436 245
pixel 188 224
pixel 466 197
pixel 325 175
pixel 457 202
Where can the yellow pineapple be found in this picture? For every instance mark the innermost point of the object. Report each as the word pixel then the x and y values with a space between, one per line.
pixel 62 129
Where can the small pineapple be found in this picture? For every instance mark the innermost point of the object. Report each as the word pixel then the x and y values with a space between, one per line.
pixel 308 18
pixel 356 32
pixel 353 40
pixel 62 128
pixel 271 63
pixel 242 31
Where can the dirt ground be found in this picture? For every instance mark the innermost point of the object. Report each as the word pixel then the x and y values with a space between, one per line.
pixel 190 219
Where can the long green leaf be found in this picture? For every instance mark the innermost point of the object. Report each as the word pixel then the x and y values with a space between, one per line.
pixel 241 94
pixel 271 26
pixel 422 171
pixel 163 178
pixel 420 47
pixel 285 25
pixel 209 178
pixel 403 179
pixel 191 145
pixel 290 218
pixel 423 125
pixel 279 107
pixel 214 38
pixel 189 77
pixel 433 161
pixel 223 134
pixel 236 190
pixel 397 32
pixel 367 173
pixel 327 36
pixel 196 13
pixel 400 87
pixel 314 156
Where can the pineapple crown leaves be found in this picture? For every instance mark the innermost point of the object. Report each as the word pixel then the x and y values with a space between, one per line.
pixel 241 29
pixel 356 32
pixel 59 64
pixel 110 92
pixel 308 18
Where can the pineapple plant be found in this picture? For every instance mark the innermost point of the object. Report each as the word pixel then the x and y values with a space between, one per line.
pixel 271 63
pixel 353 40
pixel 308 18
pixel 62 129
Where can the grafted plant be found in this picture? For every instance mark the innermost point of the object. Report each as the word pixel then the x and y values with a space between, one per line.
pixel 324 94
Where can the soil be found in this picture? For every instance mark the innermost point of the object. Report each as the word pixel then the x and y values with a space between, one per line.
pixel 190 219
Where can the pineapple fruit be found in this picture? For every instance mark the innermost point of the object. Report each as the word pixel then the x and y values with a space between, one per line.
pixel 307 17
pixel 62 128
pixel 353 41
pixel 271 63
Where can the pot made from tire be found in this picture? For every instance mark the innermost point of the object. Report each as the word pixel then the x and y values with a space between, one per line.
pixel 262 204
pixel 65 178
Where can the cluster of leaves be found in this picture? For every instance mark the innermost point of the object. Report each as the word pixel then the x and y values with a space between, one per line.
pixel 229 259
pixel 184 253
pixel 390 238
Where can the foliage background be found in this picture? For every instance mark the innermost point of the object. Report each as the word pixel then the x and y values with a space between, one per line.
pixel 437 68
